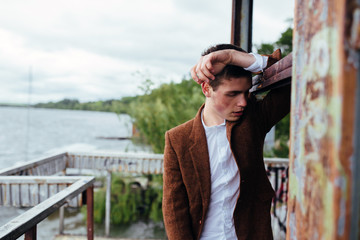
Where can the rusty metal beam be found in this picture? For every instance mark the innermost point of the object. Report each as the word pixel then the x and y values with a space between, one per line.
pixel 241 24
pixel 324 163
pixel 235 22
pixel 279 74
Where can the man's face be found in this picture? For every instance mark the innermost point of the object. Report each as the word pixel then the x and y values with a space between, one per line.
pixel 230 98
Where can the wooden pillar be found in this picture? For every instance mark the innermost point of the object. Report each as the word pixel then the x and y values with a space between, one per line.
pixel 90 212
pixel 324 154
pixel 31 234
pixel 241 24
pixel 61 220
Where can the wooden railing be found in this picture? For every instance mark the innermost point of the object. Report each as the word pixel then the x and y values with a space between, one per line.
pixel 66 188
pixel 117 162
pixel 39 167
pixel 277 170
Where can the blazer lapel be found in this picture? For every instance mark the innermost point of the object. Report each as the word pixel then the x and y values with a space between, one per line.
pixel 200 157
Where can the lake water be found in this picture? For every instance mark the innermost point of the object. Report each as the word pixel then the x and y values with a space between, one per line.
pixel 29 134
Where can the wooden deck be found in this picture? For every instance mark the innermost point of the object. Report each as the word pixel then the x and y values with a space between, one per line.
pixel 33 182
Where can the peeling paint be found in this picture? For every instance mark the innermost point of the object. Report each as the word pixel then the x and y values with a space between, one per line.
pixel 292 226
pixel 355 29
pixel 322 121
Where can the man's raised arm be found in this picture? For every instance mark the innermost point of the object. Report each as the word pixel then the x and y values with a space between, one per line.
pixel 213 63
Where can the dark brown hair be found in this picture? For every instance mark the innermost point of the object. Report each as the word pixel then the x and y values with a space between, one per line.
pixel 229 71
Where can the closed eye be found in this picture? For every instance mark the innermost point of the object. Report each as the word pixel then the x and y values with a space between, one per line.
pixel 232 94
pixel 235 93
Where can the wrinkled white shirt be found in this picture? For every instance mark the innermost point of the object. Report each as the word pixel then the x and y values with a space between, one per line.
pixel 225 186
pixel 259 64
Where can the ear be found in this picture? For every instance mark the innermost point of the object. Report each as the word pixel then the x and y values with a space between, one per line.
pixel 206 89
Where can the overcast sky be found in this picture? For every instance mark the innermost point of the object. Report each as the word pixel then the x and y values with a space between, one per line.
pixel 102 49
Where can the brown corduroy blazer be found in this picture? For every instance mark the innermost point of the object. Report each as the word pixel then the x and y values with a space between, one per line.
pixel 187 184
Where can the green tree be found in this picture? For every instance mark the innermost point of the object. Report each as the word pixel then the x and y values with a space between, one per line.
pixel 265 48
pixel 117 106
pixel 164 108
pixel 285 41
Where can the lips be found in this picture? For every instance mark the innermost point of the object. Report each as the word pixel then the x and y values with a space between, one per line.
pixel 238 114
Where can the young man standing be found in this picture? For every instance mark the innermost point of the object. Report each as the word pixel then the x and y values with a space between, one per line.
pixel 215 184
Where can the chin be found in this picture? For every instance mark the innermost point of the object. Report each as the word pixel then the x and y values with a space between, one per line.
pixel 232 119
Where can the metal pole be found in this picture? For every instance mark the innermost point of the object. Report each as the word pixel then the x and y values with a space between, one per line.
pixel 31 234
pixel 241 24
pixel 235 22
pixel 61 220
pixel 90 212
pixel 108 204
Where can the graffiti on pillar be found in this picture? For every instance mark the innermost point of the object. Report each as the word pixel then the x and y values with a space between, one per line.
pixel 319 175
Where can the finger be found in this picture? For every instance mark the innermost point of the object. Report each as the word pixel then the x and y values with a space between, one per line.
pixel 205 69
pixel 198 73
pixel 193 75
pixel 202 77
pixel 210 67
pixel 198 65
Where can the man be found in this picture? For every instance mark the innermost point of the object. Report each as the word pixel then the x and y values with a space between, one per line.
pixel 215 183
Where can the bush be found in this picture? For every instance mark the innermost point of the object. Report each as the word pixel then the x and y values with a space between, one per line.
pixel 129 202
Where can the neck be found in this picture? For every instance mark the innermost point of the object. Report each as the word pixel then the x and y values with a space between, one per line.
pixel 210 117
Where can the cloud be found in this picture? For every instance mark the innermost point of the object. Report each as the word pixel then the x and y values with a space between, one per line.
pixel 270 20
pixel 90 49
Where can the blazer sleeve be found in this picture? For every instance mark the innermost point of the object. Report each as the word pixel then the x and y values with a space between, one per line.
pixel 275 106
pixel 175 203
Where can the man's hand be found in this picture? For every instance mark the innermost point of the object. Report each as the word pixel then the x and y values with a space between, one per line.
pixel 210 65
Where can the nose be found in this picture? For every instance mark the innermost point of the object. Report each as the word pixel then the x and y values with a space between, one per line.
pixel 241 101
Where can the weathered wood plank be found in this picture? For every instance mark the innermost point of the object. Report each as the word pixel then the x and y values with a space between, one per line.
pixel 27 191
pixel 145 163
pixel 31 168
pixel 37 179
pixel 34 194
